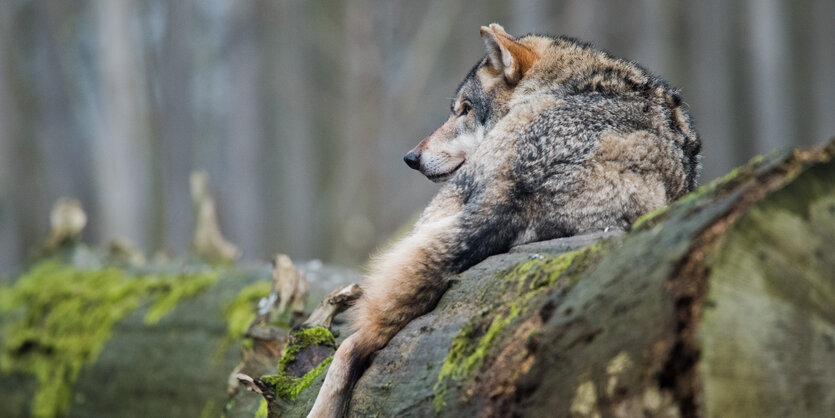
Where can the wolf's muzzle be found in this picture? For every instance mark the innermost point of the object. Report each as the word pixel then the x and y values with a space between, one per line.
pixel 412 159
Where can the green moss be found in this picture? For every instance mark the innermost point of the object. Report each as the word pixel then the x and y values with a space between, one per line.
pixel 543 272
pixel 464 355
pixel 526 280
pixel 314 335
pixel 302 339
pixel 60 317
pixel 646 218
pixel 172 289
pixel 228 407
pixel 262 409
pixel 289 387
pixel 247 343
pixel 240 312
pixel 209 409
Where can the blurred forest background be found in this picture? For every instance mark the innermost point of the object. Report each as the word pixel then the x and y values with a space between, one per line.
pixel 300 111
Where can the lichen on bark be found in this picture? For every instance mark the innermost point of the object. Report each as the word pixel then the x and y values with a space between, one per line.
pixel 524 281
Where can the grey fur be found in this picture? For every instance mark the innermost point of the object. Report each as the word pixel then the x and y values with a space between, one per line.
pixel 570 140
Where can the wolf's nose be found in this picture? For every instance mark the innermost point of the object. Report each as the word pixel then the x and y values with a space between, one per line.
pixel 412 159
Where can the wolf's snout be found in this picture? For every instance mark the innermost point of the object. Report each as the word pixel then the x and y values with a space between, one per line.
pixel 412 159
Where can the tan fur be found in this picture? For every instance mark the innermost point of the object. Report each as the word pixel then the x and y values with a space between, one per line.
pixel 391 298
pixel 634 170
pixel 390 283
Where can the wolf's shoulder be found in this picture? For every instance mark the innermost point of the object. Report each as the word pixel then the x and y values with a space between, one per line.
pixel 575 67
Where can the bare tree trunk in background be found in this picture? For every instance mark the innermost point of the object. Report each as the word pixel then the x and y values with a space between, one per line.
pixel 120 154
pixel 413 72
pixel 324 56
pixel 823 64
pixel 295 178
pixel 271 170
pixel 424 53
pixel 709 97
pixel 28 199
pixel 174 129
pixel 799 64
pixel 358 127
pixel 241 187
pixel 770 82
pixel 65 155
pixel 654 44
pixel 9 238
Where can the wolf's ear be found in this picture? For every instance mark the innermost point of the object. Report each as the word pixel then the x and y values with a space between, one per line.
pixel 506 55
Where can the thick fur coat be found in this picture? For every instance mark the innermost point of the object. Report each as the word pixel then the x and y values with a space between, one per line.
pixel 548 137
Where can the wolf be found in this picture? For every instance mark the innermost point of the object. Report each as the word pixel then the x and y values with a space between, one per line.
pixel 547 137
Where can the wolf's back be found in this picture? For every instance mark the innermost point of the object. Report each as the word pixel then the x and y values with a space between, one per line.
pixel 569 140
pixel 630 97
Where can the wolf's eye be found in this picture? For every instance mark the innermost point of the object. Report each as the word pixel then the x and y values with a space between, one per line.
pixel 466 107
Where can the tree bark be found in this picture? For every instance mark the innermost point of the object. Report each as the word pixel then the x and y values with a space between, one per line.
pixel 120 157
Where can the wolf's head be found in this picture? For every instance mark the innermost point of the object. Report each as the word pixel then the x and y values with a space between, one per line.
pixel 481 100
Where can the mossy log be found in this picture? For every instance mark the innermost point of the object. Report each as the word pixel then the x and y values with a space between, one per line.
pixel 85 335
pixel 721 305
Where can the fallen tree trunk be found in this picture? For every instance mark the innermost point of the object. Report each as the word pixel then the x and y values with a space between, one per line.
pixel 84 335
pixel 721 305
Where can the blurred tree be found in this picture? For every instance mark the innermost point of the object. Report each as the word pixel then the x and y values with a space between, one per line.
pixel 301 111
pixel 121 162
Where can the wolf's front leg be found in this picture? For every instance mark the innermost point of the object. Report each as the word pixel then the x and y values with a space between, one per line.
pixel 344 371
pixel 405 282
